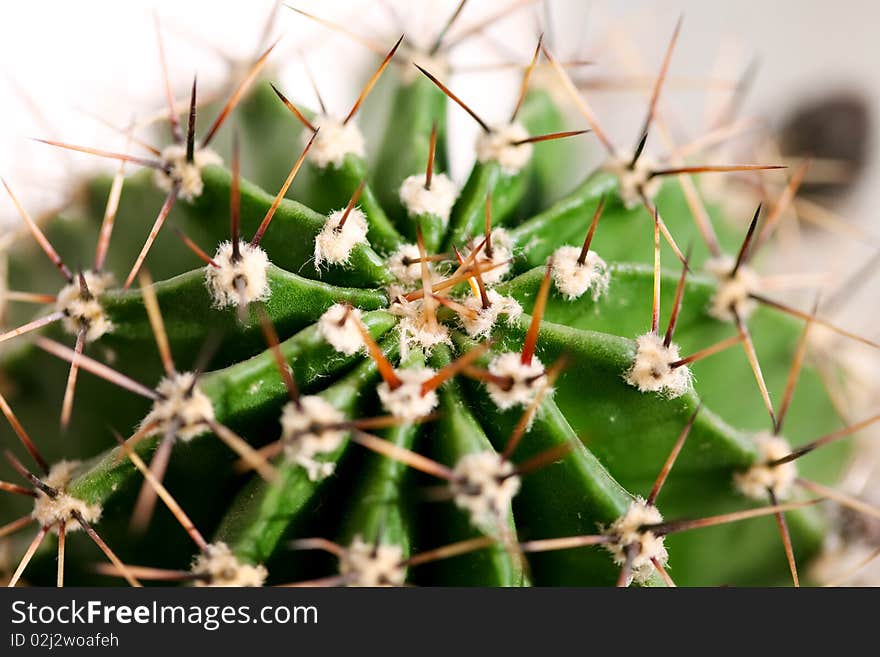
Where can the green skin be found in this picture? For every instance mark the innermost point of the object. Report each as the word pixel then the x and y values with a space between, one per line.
pixel 622 436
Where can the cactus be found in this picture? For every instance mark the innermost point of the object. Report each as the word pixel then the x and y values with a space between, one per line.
pixel 373 377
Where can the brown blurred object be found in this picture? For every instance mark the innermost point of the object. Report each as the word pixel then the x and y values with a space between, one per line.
pixel 835 130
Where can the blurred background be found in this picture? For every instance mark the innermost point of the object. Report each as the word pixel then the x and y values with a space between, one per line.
pixel 62 62
pixel 802 72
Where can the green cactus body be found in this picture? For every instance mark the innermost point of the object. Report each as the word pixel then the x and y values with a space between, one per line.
pixel 619 436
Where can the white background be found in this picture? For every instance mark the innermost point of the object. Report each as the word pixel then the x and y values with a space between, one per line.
pixel 100 56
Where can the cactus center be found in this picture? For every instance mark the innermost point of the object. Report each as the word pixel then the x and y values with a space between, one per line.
pixel 494 259
pixel 481 324
pixel 408 401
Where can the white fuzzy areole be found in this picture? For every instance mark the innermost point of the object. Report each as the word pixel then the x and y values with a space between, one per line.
pixel 416 332
pixel 502 252
pixel 650 371
pixel 218 566
pixel 189 411
pixel 574 279
pixel 335 246
pixel 733 291
pixel 437 201
pixel 339 325
pixel 761 477
pixel 482 325
pixel 525 380
pixel 250 268
pixel 58 511
pixel 366 564
pixel 85 311
pixel 497 145
pixel 187 174
pixel 335 140
pixel 407 401
pixel 411 273
pixel 304 436
pixel 626 530
pixel 635 182
pixel 414 328
pixel 484 486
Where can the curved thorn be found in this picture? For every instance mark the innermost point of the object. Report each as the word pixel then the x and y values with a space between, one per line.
pixel 293 108
pixel 32 326
pixel 786 540
pixel 438 41
pixel 237 95
pixel 264 224
pixel 673 455
pixel 106 550
pixel 449 551
pixel 458 101
pixel 676 526
pixel 123 157
pixel 752 357
pixel 585 110
pixel 826 439
pixel 28 555
pixel 70 388
pixel 191 125
pixel 531 340
pixel 23 436
pixel 145 506
pixel 163 493
pixel 154 232
pixel 368 87
pixel 403 455
pixel 743 254
pixel 39 236
pixel 173 121
pixel 527 74
pixel 151 304
pixel 679 296
pixel 794 372
pixel 195 248
pixel 661 78
pixel 96 368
